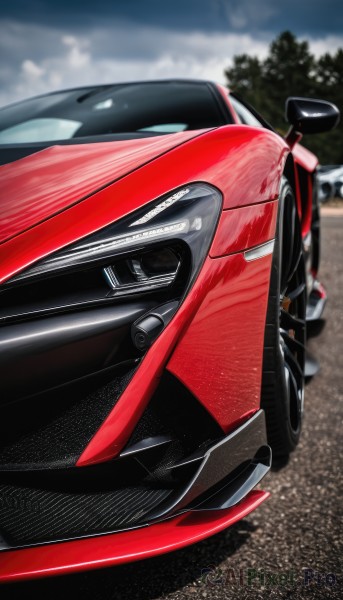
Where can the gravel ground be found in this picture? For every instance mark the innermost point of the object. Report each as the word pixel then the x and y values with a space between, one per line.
pixel 291 546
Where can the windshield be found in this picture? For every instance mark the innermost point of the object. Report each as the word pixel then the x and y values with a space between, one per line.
pixel 155 107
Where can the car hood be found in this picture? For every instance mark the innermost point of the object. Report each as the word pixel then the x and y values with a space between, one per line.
pixel 43 184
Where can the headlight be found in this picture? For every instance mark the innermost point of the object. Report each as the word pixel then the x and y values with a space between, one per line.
pixel 145 251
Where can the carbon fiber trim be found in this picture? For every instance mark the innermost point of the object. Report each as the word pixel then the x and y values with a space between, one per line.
pixel 42 511
pixel 30 516
pixel 237 450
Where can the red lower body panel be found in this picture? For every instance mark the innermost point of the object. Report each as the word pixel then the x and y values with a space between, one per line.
pixel 118 548
pixel 220 358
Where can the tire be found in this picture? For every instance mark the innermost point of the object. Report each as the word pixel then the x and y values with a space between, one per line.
pixel 282 393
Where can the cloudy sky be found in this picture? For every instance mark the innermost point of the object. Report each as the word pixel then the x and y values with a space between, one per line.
pixel 47 44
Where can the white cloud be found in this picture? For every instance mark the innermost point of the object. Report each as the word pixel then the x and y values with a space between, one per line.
pixel 331 44
pixel 77 56
pixel 121 53
pixel 240 14
pixel 69 40
pixel 31 70
pixel 48 59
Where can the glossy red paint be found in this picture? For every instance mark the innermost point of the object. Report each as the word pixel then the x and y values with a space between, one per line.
pixel 47 182
pixel 302 157
pixel 120 423
pixel 304 195
pixel 115 549
pixel 223 157
pixel 307 161
pixel 220 358
pixel 228 298
pixel 244 228
pixel 246 164
pixel 305 158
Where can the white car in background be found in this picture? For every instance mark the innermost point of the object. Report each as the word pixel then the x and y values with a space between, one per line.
pixel 330 182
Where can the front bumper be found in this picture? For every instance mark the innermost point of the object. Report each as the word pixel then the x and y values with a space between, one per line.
pixel 194 486
pixel 218 493
pixel 115 549
pixel 42 508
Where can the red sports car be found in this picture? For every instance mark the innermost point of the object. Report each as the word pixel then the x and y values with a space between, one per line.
pixel 158 262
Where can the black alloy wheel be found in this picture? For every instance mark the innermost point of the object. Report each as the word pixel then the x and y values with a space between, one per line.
pixel 283 380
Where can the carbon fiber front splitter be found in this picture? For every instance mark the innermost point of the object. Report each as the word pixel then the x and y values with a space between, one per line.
pixel 119 548
pixel 218 494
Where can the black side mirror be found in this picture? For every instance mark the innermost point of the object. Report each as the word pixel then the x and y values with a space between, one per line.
pixel 307 115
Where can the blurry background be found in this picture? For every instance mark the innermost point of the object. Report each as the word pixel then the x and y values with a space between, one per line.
pixel 266 50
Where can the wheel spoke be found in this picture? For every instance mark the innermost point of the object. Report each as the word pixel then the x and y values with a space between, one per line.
pixel 288 321
pixel 294 267
pixel 297 292
pixel 292 343
pixel 293 364
pixel 292 248
pixel 293 381
pixel 295 400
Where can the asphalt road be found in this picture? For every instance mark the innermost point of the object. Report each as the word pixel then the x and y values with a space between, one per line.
pixel 291 546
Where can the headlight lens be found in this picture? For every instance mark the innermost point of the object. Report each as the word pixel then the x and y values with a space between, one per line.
pixel 139 253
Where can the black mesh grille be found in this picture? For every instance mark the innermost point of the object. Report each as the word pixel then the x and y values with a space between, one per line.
pixel 59 442
pixel 36 515
pixel 49 504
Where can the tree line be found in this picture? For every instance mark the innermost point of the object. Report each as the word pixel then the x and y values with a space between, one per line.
pixel 291 70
